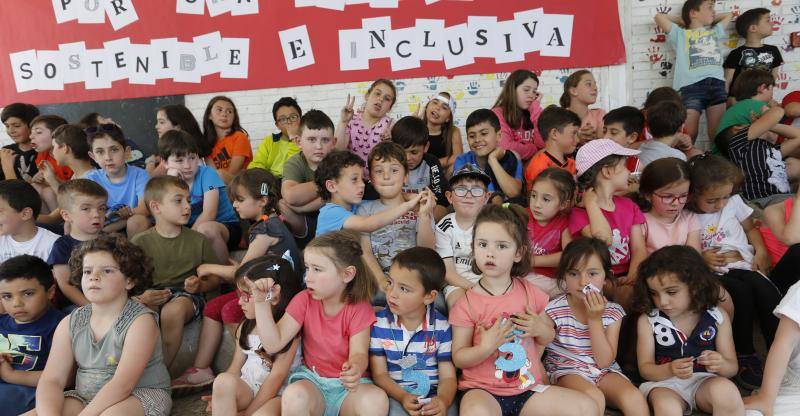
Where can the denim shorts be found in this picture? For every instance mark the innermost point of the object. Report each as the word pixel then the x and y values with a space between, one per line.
pixel 703 94
pixel 331 389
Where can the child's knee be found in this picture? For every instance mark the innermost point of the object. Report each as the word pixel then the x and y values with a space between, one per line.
pixel 225 383
pixel 373 400
pixel 296 398
pixel 723 394
pixel 210 229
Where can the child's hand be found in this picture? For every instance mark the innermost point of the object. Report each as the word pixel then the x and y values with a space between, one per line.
pixel 410 404
pixel 531 324
pixel 497 335
pixel 760 403
pixel 586 133
pixel 435 407
pixel 5 369
pixel 174 172
pixel 427 203
pixel 684 142
pixel 595 304
pixel 413 201
pixel 682 367
pixel 260 289
pixel 589 198
pixel 192 284
pixel 347 110
pixel 714 259
pixel 712 361
pixel 39 176
pixel 154 297
pixel 497 153
pixel 7 157
pixel 762 262
pixel 207 399
pixel 204 270
pixel 350 376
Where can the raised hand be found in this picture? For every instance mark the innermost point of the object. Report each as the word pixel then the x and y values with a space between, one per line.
pixel 347 110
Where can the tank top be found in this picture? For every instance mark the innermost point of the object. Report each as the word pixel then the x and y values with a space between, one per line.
pixel 436 145
pixel 671 343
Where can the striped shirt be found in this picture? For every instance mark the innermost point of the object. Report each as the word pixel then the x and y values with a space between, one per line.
pixel 429 343
pixel 763 166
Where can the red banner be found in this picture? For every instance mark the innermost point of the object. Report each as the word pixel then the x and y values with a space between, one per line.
pixel 155 50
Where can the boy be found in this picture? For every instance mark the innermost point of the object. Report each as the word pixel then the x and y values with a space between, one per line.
pixel 19 207
pixel 212 211
pixel 698 61
pixel 176 251
pixel 624 125
pixel 71 150
pixel 468 194
pixel 42 141
pixel 559 127
pixel 424 170
pixel 83 207
pixel 340 183
pixel 300 203
pixel 753 26
pixel 26 287
pixel 665 121
pixel 124 184
pixel 415 278
pixel 503 167
pixel 753 92
pixel 18 159
pixel 275 150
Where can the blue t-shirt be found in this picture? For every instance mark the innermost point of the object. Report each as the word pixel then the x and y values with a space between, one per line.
pixel 205 180
pixel 126 193
pixel 332 217
pixel 697 54
pixel 509 162
pixel 62 250
pixel 30 342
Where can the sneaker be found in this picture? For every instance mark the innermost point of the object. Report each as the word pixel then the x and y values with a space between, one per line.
pixel 193 379
pixel 751 371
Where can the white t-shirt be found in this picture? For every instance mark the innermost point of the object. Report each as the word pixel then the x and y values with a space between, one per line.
pixel 788 398
pixel 723 229
pixel 39 246
pixel 455 242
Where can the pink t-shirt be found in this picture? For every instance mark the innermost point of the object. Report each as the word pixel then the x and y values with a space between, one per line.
pixel 546 239
pixel 478 309
pixel 363 139
pixel 594 118
pixel 524 142
pixel 658 234
pixel 621 220
pixel 326 339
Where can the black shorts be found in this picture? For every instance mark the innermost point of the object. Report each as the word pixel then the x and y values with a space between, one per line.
pixel 234 235
pixel 509 405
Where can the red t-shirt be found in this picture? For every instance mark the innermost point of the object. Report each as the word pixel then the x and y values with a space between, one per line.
pixel 546 239
pixel 62 172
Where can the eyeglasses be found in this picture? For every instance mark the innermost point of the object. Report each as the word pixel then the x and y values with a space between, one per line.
pixel 290 119
pixel 461 192
pixel 671 199
pixel 100 129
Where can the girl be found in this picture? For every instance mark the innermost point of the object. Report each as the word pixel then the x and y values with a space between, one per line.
pixel 113 342
pixel 254 377
pixel 552 195
pixel 518 108
pixel 360 132
pixel 780 391
pixel 685 347
pixel 335 316
pixel 781 234
pixel 581 357
pixel 602 173
pixel 175 117
pixel 228 141
pixel 726 235
pixel 580 91
pixel 444 138
pixel 498 333
pixel 255 197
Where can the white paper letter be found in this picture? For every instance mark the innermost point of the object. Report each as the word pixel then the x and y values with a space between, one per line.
pixel 297 51
pixel 456 47
pixel 190 6
pixel 236 54
pixel 352 50
pixel 23 64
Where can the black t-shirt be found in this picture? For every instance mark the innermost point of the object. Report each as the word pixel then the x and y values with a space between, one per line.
pixel 742 58
pixel 24 164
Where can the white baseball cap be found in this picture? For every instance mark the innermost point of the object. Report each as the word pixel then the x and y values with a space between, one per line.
pixel 597 149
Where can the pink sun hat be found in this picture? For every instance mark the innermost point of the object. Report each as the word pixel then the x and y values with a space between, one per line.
pixel 597 149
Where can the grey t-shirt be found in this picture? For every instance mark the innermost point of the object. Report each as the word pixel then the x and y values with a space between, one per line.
pixel 386 242
pixel 653 150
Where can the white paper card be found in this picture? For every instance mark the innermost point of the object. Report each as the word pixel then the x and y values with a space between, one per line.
pixel 296 45
pixel 429 39
pixel 456 47
pixel 376 30
pixel 50 69
pixel 557 30
pixel 97 74
pixel 403 52
pixel 510 42
pixel 243 7
pixel 352 50
pixel 190 6
pixel 383 4
pixel 166 53
pixel 65 12
pixel 188 67
pixel 305 3
pixel 72 54
pixel 528 21
pixel 143 60
pixel 482 31
pixel 210 58
pixel 24 67
pixel 236 57
pixel 218 7
pixel 121 13
pixel 118 58
pixel 331 4
pixel 91 11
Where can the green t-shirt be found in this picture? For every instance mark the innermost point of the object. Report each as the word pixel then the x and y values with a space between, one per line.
pixel 273 153
pixel 741 113
pixel 297 169
pixel 175 259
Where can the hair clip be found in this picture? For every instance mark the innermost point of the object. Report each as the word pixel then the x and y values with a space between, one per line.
pixel 264 189
pixel 274 267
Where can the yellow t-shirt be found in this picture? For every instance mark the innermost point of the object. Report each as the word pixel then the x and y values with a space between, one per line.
pixel 273 153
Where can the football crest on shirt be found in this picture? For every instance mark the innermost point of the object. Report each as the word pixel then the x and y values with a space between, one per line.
pixel 708 334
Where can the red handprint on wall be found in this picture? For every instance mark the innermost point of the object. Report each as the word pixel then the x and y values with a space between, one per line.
pixel 660 36
pixel 777 21
pixel 654 54
pixel 782 80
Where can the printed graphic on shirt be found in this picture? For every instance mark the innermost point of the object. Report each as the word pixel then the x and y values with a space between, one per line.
pixel 753 60
pixel 18 346
pixel 777 170
pixel 702 45
pixel 620 248
pixel 712 236
pixel 512 363
pixel 223 159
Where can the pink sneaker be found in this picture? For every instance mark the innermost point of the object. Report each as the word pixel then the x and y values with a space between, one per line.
pixel 193 379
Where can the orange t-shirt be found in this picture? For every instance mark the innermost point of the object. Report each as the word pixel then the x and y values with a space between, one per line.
pixel 543 160
pixel 62 172
pixel 230 146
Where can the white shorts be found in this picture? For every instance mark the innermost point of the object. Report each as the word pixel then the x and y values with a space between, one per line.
pixel 686 388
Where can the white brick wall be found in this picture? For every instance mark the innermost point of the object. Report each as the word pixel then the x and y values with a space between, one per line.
pixel 619 85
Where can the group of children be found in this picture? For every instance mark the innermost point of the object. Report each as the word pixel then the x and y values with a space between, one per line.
pixel 571 260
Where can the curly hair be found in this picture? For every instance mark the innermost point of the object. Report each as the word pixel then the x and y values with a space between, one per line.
pixel 577 253
pixel 515 219
pixel 132 261
pixel 343 248
pixel 330 169
pixel 687 265
pixel 257 183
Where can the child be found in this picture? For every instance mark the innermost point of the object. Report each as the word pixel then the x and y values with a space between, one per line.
pixel 340 184
pixel 753 92
pixel 300 203
pixel 444 137
pixel 359 133
pixel 26 287
pixel 698 61
pixel 212 212
pixel 781 233
pixel 276 149
pixel 175 117
pixel 414 281
pixel 559 128
pixel 229 143
pixel 20 205
pixel 71 150
pixel 665 121
pixel 580 91
pixel 753 26
pixel 503 166
pixel 112 342
pixel 335 316
pixel 778 394
pixel 424 170
pixel 83 207
pixel 18 159
pixel 654 97
pixel 614 219
pixel 517 109
pixel 684 347
pixel 500 319
pixel 124 183
pixel 255 378
pixel 468 194
pixel 624 125
pixel 134 156
pixel 552 197
pixel 177 292
pixel 582 355
pixel 255 197
pixel 42 128
pixel 388 172
pixel 727 238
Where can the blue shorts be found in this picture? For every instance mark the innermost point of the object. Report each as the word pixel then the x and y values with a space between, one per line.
pixel 331 388
pixel 16 399
pixel 509 405
pixel 703 94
